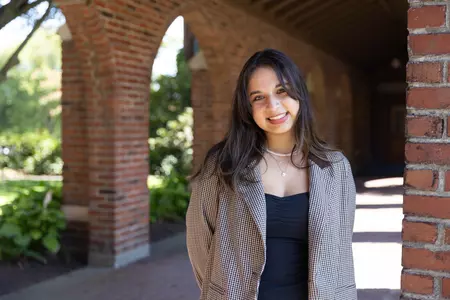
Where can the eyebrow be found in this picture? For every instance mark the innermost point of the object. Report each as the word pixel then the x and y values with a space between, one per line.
pixel 258 92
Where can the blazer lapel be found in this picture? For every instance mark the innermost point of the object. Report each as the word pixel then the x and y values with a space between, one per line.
pixel 319 193
pixel 320 257
pixel 318 215
pixel 253 195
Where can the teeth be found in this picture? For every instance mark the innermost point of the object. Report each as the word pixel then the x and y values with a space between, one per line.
pixel 278 117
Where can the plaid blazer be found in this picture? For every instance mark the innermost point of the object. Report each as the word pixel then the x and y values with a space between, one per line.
pixel 226 234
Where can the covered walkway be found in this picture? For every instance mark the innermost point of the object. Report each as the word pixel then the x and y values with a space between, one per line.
pixel 378 75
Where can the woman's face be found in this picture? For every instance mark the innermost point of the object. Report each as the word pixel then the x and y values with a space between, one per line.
pixel 273 110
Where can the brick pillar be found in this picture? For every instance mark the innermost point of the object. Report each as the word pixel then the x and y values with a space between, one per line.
pixel 74 150
pixel 315 81
pixel 426 235
pixel 345 117
pixel 118 162
pixel 201 100
pixel 114 176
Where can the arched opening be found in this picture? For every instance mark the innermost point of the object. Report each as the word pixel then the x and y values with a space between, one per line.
pixel 108 117
pixel 180 126
pixel 170 135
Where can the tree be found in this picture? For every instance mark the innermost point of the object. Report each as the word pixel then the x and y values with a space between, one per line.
pixel 27 9
pixel 30 107
pixel 30 96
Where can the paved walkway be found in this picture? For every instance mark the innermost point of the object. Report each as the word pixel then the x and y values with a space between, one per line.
pixel 377 241
pixel 167 274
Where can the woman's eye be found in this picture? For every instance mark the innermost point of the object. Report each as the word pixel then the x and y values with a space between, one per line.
pixel 281 91
pixel 257 98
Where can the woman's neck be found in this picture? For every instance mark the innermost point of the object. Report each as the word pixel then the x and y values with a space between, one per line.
pixel 283 143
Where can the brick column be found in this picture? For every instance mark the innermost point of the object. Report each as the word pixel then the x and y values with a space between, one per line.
pixel 118 159
pixel 201 100
pixel 115 88
pixel 74 149
pixel 345 117
pixel 315 81
pixel 426 234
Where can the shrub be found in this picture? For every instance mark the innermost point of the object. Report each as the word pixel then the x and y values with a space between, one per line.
pixel 31 224
pixel 34 153
pixel 171 149
pixel 169 201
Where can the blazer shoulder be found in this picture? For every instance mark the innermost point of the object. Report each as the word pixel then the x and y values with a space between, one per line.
pixel 207 173
pixel 340 162
pixel 336 157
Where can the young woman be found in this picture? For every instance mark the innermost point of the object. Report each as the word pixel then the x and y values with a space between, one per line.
pixel 272 207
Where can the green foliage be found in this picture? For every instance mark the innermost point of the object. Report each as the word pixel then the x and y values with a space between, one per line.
pixel 34 56
pixel 29 97
pixel 171 149
pixel 169 96
pixel 21 106
pixel 171 122
pixel 31 224
pixel 169 201
pixel 11 189
pixel 35 153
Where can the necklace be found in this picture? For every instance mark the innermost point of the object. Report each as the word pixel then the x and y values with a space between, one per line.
pixel 278 154
pixel 283 172
pixel 273 154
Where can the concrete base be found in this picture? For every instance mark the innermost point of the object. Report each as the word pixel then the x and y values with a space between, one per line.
pixel 121 260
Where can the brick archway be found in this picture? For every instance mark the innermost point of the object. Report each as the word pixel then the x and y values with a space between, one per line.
pixel 89 105
pixel 106 66
pixel 106 79
pixel 315 80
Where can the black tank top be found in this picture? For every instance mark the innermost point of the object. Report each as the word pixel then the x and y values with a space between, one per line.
pixel 285 274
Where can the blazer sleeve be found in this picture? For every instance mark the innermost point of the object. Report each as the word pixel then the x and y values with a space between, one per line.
pixel 200 221
pixel 350 195
pixel 349 205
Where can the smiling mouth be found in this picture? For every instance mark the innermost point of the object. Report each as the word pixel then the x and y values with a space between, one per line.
pixel 277 117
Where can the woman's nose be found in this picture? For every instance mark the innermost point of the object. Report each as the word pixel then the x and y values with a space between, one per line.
pixel 273 102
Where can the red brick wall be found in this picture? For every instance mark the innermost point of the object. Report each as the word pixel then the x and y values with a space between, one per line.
pixel 345 120
pixel 116 121
pixel 74 149
pixel 361 127
pixel 201 95
pixel 426 255
pixel 215 43
pixel 74 144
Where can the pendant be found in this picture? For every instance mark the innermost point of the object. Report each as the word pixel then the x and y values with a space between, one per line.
pixel 283 174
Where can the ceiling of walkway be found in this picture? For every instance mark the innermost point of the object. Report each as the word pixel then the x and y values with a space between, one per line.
pixel 364 33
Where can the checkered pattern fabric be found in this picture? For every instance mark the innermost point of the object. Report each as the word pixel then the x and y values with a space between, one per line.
pixel 226 234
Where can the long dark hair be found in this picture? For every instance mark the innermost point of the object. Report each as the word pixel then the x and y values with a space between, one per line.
pixel 244 144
